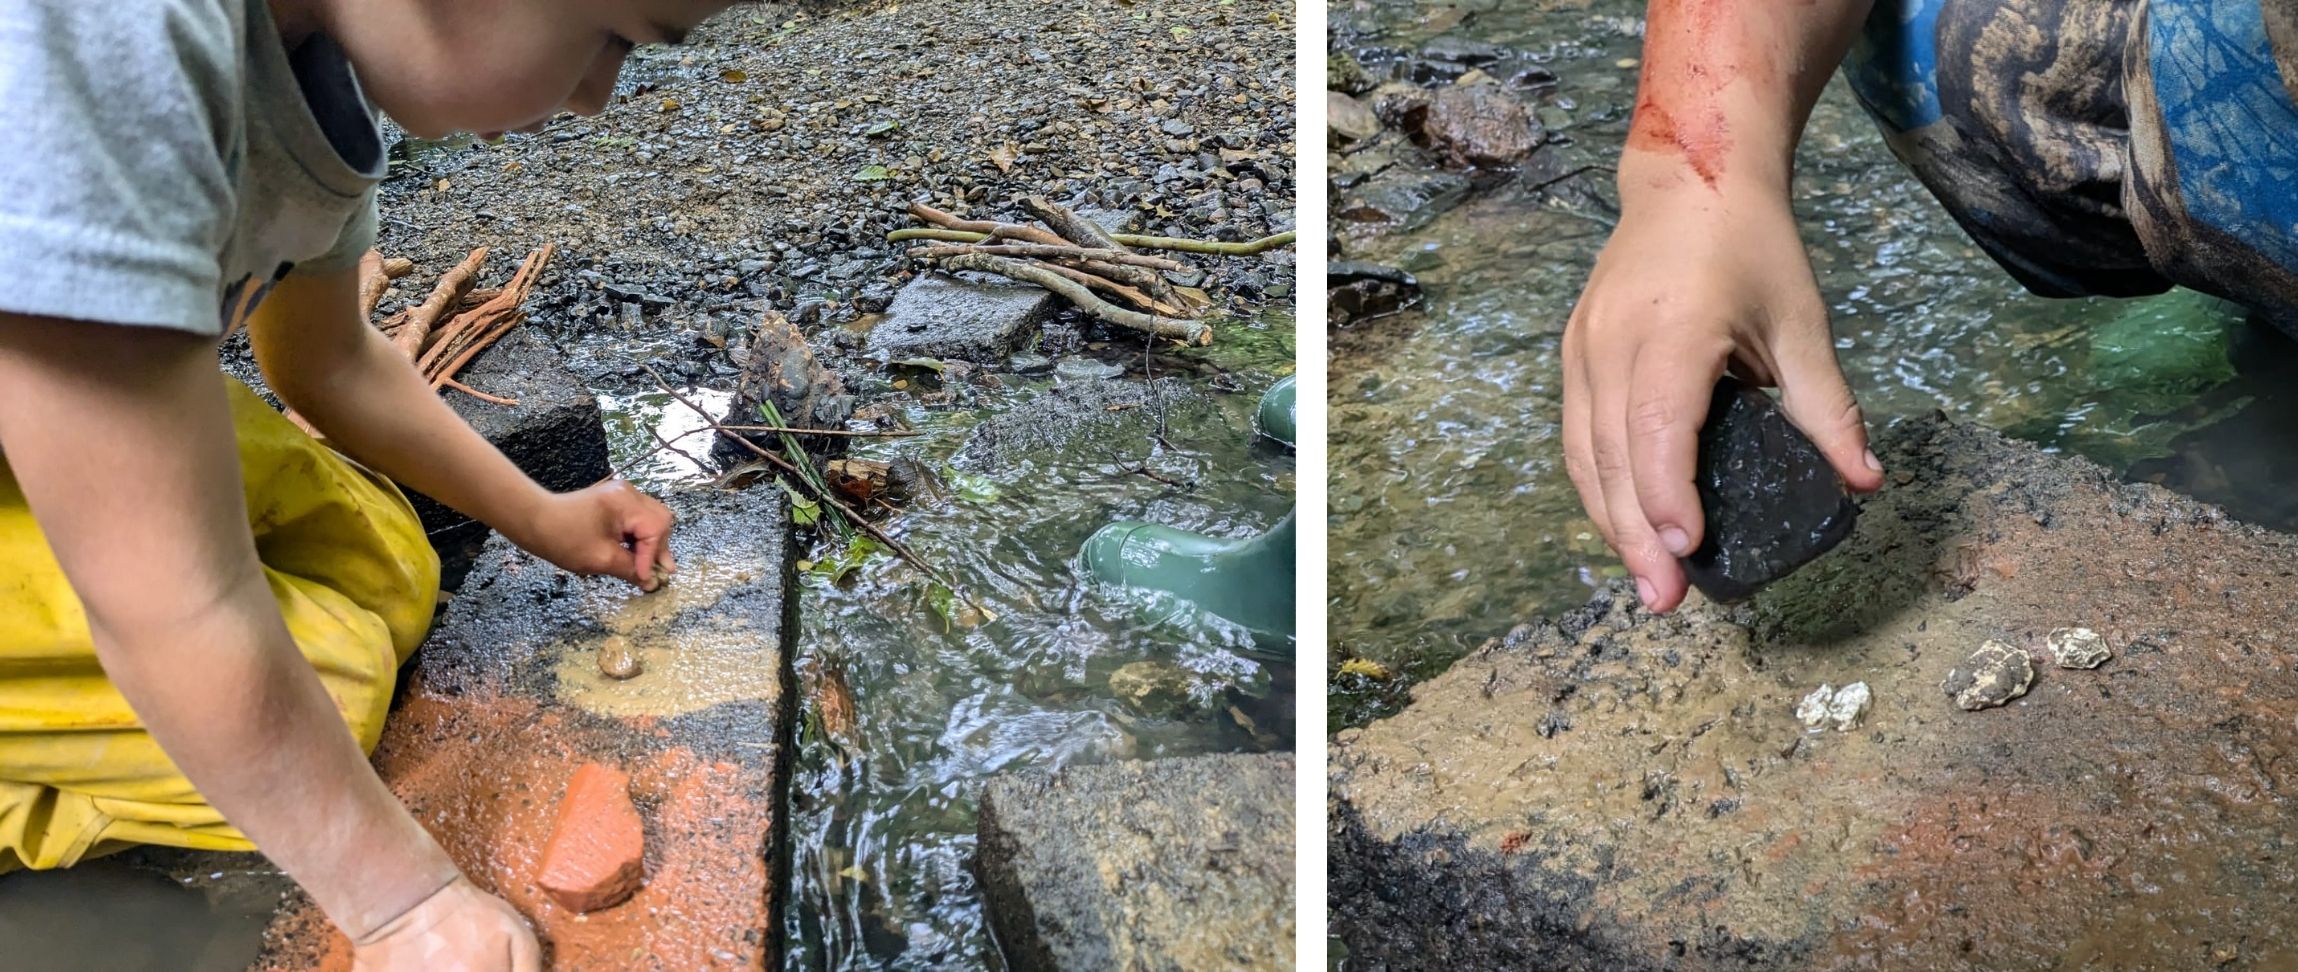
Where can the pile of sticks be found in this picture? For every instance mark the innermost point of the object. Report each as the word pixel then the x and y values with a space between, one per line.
pixel 457 321
pixel 1072 257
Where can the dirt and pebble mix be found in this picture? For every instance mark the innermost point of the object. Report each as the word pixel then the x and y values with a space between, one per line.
pixel 765 162
pixel 1617 790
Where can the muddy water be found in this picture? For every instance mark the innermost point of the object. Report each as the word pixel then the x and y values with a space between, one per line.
pixel 884 820
pixel 1452 517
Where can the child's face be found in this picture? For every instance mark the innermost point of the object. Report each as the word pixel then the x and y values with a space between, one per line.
pixel 486 66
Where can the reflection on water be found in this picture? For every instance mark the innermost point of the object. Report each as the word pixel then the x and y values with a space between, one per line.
pixel 1451 516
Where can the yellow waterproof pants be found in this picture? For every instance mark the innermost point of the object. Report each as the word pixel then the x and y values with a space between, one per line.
pixel 354 576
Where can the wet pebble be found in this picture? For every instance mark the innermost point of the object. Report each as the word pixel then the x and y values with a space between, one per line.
pixel 618 660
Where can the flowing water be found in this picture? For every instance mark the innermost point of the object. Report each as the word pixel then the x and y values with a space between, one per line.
pixel 883 822
pixel 1451 516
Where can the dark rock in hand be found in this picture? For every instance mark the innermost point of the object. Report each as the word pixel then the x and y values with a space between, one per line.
pixel 1771 500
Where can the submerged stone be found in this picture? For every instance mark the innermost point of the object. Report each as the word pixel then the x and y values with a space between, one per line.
pixel 1772 503
pixel 1166 864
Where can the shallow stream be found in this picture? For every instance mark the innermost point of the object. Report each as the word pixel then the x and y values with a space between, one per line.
pixel 1451 516
pixel 883 821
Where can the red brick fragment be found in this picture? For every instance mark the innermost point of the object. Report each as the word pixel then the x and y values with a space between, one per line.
pixel 595 856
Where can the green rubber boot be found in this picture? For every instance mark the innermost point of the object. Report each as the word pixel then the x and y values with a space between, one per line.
pixel 1248 581
pixel 1275 417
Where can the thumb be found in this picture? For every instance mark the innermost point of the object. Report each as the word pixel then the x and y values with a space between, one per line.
pixel 1815 397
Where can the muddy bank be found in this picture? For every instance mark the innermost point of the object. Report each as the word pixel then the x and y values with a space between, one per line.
pixel 1609 789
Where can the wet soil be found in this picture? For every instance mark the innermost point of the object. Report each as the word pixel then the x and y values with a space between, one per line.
pixel 1617 790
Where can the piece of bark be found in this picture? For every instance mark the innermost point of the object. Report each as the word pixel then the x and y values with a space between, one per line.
pixel 451 287
pixel 1771 501
pixel 596 855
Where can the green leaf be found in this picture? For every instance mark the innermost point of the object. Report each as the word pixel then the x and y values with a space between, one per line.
pixel 973 488
pixel 803 511
pixel 882 128
pixel 873 173
pixel 1182 33
pixel 835 566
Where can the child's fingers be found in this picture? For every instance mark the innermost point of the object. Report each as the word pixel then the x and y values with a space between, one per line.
pixel 1816 398
pixel 1659 580
pixel 1579 452
pixel 645 553
pixel 1667 403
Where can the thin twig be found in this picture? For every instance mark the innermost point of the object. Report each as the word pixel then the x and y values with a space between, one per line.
pixel 475 393
pixel 867 434
pixel 649 454
pixel 1583 170
pixel 899 548
pixel 1216 247
pixel 1042 250
pixel 927 233
pixel 1187 332
pixel 1247 248
pixel 698 464
pixel 987 228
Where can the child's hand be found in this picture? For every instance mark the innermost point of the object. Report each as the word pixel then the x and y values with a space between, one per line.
pixel 459 927
pixel 1685 288
pixel 610 528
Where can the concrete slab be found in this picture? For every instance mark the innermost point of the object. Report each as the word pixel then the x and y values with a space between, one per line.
pixel 1168 864
pixel 505 701
pixel 556 434
pixel 1620 791
pixel 970 317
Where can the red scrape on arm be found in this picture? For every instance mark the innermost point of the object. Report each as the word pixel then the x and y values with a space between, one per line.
pixel 1690 55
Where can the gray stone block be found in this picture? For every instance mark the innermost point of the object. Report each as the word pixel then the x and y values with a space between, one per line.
pixel 970 317
pixel 1179 864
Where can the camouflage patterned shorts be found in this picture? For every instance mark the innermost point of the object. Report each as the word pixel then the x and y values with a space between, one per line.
pixel 2113 147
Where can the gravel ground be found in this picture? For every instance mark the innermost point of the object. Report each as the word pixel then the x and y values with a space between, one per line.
pixel 741 167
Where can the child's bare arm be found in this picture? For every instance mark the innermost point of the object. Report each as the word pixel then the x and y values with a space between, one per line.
pixel 1704 270
pixel 121 440
pixel 350 383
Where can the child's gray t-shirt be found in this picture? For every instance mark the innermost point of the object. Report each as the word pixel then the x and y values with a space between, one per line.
pixel 163 162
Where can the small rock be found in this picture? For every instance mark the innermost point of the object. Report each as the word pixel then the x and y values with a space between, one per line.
pixel 1348 120
pixel 1029 363
pixel 1479 125
pixel 1849 707
pixel 1829 706
pixel 1771 501
pixel 1812 711
pixel 618 660
pixel 1993 675
pixel 1080 368
pixel 2078 648
pixel 595 857
pixel 1157 689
